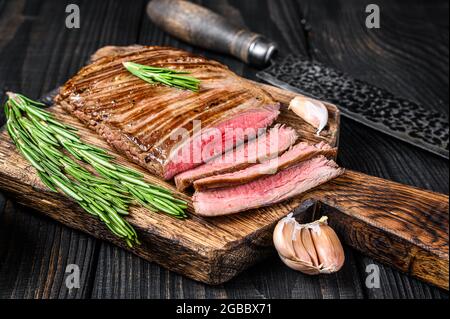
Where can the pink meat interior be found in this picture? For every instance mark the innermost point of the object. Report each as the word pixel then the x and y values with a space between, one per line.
pixel 207 145
pixel 270 145
pixel 267 190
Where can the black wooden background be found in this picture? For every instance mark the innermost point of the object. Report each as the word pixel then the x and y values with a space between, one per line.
pixel 408 55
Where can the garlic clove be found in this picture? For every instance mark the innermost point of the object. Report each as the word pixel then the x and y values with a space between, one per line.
pixel 312 248
pixel 309 246
pixel 300 252
pixel 312 111
pixel 301 266
pixel 329 248
pixel 282 237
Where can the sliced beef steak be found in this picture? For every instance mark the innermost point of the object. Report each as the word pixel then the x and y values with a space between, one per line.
pixel 300 152
pixel 266 190
pixel 155 125
pixel 212 142
pixel 258 150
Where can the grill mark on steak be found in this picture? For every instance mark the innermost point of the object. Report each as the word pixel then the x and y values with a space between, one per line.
pixel 184 116
pixel 169 105
pixel 124 115
pixel 109 99
pixel 106 68
pixel 157 56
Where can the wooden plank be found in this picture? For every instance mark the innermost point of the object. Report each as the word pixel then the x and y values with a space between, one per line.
pixel 408 55
pixel 125 276
pixel 34 250
pixel 412 45
pixel 122 275
pixel 396 285
pixel 377 217
pixel 35 253
pixel 37 53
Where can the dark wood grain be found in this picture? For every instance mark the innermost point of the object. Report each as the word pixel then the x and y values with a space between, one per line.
pixel 34 250
pixel 328 31
pixel 395 58
pixel 396 224
pixel 396 285
pixel 37 53
pixel 407 55
pixel 35 253
pixel 119 272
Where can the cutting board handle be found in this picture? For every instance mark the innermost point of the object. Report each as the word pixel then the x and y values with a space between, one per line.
pixel 408 226
pixel 201 27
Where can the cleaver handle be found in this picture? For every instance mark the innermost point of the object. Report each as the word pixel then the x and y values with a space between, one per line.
pixel 199 26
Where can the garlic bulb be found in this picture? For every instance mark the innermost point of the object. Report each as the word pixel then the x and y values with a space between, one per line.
pixel 312 111
pixel 311 248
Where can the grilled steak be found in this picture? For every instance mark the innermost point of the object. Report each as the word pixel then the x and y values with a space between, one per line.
pixel 266 190
pixel 300 152
pixel 153 125
pixel 258 150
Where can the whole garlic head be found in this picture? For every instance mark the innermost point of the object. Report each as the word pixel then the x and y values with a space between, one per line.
pixel 310 248
pixel 312 111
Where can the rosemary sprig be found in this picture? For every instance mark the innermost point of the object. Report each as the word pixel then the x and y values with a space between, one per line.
pixel 55 150
pixel 168 77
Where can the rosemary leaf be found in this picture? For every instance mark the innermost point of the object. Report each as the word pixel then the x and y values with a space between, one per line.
pixel 167 77
pixel 65 188
pixel 46 181
pixel 55 150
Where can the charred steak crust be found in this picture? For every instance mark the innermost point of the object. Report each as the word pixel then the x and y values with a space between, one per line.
pixel 137 118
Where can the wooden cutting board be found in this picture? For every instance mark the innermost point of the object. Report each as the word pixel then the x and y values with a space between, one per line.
pixel 399 225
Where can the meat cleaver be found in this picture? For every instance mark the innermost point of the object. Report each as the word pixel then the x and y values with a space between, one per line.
pixel 360 101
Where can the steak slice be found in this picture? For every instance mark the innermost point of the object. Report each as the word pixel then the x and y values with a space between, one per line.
pixel 213 142
pixel 300 152
pixel 267 190
pixel 155 125
pixel 258 150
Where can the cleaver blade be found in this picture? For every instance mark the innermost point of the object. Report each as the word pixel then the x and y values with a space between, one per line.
pixel 372 106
